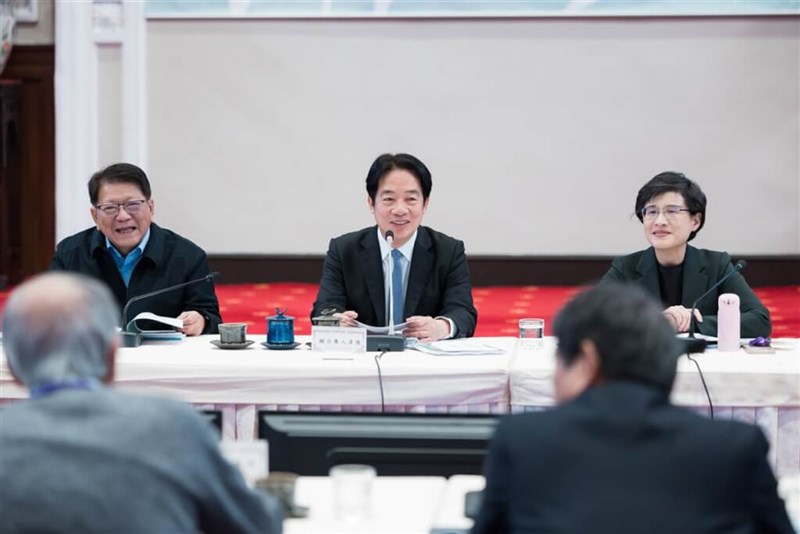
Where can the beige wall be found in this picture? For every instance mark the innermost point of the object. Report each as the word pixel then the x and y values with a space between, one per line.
pixel 109 93
pixel 41 32
pixel 538 132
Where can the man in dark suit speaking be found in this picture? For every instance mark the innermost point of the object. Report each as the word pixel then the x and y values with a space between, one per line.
pixel 616 456
pixel 430 278
pixel 133 256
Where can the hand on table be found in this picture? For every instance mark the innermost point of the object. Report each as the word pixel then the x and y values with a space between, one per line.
pixel 678 317
pixel 193 323
pixel 426 328
pixel 347 318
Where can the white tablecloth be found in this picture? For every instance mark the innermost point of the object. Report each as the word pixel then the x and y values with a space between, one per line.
pixel 756 388
pixel 240 382
pixel 404 505
pixel 450 518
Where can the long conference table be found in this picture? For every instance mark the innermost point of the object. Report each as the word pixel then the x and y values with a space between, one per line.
pixel 437 504
pixel 759 388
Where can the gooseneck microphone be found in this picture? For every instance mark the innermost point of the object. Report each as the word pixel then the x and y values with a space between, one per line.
pixel 134 339
pixel 389 342
pixel 390 241
pixel 741 264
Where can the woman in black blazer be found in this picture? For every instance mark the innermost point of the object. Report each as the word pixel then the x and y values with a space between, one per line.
pixel 672 209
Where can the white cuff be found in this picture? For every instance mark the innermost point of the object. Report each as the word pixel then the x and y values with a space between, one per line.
pixel 452 333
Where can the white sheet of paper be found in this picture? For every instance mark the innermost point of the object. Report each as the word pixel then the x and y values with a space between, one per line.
pixel 398 328
pixel 456 347
pixel 149 316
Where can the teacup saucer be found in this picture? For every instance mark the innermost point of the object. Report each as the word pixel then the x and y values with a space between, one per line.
pixel 297 511
pixel 232 346
pixel 280 346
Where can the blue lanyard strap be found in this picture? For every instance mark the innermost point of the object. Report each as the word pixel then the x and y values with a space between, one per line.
pixel 87 384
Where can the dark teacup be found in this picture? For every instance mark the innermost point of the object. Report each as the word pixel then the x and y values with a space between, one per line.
pixel 281 486
pixel 232 333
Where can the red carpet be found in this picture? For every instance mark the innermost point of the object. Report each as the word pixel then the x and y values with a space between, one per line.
pixel 499 308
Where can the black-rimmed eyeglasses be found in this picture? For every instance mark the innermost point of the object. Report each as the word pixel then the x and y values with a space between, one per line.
pixel 131 207
pixel 670 212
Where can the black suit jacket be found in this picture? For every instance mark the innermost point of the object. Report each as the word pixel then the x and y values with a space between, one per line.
pixel 701 269
pixel 168 259
pixel 438 284
pixel 621 459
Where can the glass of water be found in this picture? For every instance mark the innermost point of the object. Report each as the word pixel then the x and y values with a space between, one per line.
pixel 352 486
pixel 531 333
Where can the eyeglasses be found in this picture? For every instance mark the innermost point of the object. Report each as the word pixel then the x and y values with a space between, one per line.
pixel 132 207
pixel 670 212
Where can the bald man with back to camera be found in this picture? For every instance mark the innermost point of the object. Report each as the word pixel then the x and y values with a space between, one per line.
pixel 79 456
pixel 615 456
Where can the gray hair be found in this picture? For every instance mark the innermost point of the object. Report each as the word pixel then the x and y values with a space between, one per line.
pixel 59 326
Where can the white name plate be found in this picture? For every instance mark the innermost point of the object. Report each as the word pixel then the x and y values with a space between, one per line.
pixel 338 339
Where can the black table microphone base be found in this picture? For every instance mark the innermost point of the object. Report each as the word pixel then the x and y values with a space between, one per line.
pixel 384 343
pixel 692 345
pixel 130 339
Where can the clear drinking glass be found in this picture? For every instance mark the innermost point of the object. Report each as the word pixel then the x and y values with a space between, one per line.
pixel 531 333
pixel 352 491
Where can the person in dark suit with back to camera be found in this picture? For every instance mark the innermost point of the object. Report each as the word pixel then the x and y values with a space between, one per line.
pixel 672 209
pixel 132 255
pixel 615 455
pixel 429 268
pixel 79 456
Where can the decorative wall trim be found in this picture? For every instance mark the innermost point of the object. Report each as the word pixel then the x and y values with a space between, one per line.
pixel 486 270
pixel 26 10
pixel 134 84
pixel 76 114
pixel 77 125
pixel 250 9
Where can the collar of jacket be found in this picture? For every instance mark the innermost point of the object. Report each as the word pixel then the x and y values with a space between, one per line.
pixel 154 251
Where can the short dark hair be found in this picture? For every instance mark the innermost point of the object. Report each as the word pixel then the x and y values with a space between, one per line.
pixel 674 182
pixel 388 162
pixel 634 340
pixel 119 173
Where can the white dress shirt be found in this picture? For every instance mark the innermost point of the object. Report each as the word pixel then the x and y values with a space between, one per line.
pixel 407 250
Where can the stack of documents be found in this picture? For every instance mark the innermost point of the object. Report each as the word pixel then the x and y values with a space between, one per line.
pixel 133 326
pixel 456 347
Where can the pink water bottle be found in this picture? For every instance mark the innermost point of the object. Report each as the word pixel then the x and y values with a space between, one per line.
pixel 728 323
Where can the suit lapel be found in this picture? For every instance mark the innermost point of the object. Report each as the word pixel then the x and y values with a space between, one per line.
pixel 421 269
pixel 695 276
pixel 647 273
pixel 373 273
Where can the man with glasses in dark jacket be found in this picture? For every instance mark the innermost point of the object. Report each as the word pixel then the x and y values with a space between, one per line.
pixel 132 255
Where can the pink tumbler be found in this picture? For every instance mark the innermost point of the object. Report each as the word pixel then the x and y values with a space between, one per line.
pixel 728 323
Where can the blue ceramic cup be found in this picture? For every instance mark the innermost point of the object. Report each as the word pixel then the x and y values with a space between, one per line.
pixel 280 329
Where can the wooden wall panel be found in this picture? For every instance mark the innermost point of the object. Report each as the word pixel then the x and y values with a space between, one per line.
pixel 33 68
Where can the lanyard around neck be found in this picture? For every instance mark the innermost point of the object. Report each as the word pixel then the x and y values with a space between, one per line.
pixel 87 384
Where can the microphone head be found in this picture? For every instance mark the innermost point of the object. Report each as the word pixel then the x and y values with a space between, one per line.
pixel 741 264
pixel 389 235
pixel 211 276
